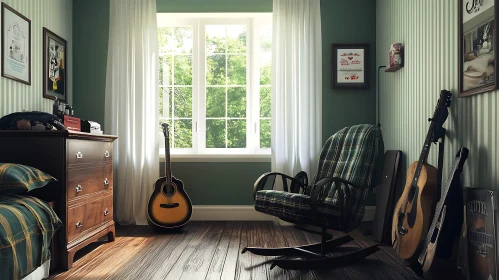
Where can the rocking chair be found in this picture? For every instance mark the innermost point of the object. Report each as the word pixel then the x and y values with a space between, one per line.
pixel 348 166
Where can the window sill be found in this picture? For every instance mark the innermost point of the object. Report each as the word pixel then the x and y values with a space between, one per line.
pixel 217 158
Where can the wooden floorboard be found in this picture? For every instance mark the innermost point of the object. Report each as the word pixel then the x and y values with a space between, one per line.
pixel 211 250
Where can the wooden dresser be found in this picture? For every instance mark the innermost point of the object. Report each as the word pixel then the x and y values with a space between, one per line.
pixel 83 196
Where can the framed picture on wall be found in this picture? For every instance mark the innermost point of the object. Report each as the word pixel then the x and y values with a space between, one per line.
pixel 55 66
pixel 16 45
pixel 350 66
pixel 477 46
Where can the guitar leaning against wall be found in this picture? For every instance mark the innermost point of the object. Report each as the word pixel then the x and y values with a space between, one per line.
pixel 412 214
pixel 169 206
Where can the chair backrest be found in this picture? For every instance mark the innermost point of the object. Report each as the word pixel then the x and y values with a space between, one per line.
pixel 355 154
pixel 351 154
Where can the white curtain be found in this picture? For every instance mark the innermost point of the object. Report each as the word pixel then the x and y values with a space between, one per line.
pixel 296 86
pixel 132 105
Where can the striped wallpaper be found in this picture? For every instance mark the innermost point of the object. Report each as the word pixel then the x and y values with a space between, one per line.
pixel 55 15
pixel 428 30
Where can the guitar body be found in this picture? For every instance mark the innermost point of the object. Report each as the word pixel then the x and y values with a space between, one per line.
pixel 169 206
pixel 407 244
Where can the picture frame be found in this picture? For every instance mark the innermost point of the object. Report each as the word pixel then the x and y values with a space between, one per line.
pixel 350 66
pixel 55 66
pixel 16 45
pixel 477 27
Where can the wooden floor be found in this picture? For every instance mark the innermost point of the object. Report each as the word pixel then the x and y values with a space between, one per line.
pixel 211 250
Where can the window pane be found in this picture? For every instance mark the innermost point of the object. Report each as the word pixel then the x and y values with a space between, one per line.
pixel 266 38
pixel 165 70
pixel 237 69
pixel 165 102
pixel 265 101
pixel 236 39
pixel 165 40
pixel 183 134
pixel 236 134
pixel 265 68
pixel 265 133
pixel 215 133
pixel 236 103
pixel 215 70
pixel 183 39
pixel 215 102
pixel 183 102
pixel 216 39
pixel 183 69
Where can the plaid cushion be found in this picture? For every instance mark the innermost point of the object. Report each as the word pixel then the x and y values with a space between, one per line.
pixel 18 178
pixel 296 208
pixel 354 154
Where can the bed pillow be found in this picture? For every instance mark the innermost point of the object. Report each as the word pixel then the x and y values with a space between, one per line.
pixel 18 178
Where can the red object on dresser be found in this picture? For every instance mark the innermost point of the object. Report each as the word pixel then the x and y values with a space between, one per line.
pixel 72 123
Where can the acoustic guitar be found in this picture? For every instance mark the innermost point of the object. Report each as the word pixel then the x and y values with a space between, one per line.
pixel 448 218
pixel 412 213
pixel 169 206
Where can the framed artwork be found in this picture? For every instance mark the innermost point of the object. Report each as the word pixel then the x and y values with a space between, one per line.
pixel 350 66
pixel 16 45
pixel 477 46
pixel 55 65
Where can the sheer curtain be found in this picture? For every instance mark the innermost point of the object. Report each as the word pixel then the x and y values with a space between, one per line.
pixel 296 86
pixel 132 105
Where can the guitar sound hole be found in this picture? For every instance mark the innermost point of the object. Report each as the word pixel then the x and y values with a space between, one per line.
pixel 169 190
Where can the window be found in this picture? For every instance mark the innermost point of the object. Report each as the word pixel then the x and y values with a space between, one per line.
pixel 215 82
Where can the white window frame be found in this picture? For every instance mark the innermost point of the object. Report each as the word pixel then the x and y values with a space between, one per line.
pixel 199 152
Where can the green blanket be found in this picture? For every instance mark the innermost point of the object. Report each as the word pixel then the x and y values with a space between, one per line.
pixel 27 225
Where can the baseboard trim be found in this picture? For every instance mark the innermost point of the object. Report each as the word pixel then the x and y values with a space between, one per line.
pixel 227 213
pixel 245 213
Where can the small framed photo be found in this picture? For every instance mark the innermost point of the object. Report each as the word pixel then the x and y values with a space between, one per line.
pixel 55 65
pixel 350 66
pixel 16 45
pixel 477 46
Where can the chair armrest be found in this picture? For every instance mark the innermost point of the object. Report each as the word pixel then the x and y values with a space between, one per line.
pixel 262 180
pixel 319 187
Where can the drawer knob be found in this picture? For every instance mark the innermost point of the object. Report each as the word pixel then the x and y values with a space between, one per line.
pixel 106 154
pixel 106 182
pixel 79 224
pixel 106 212
pixel 79 188
pixel 79 155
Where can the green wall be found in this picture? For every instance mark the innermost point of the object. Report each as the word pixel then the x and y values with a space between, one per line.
pixel 213 6
pixel 231 183
pixel 342 24
pixel 91 26
pixel 429 31
pixel 218 183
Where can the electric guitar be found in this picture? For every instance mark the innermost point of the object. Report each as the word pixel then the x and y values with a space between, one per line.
pixel 412 213
pixel 448 213
pixel 169 206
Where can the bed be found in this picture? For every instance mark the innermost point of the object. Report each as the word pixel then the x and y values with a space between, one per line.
pixel 27 225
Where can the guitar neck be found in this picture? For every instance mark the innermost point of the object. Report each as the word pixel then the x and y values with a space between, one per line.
pixel 168 170
pixel 424 152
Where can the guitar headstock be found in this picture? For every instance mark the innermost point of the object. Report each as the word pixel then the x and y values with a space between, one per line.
pixel 441 112
pixel 166 130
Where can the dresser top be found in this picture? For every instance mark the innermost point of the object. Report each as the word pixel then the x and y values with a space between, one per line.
pixel 57 133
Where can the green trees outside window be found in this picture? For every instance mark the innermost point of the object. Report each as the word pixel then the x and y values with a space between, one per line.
pixel 227 66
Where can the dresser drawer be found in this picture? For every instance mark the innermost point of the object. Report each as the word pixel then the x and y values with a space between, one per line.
pixel 88 215
pixel 84 151
pixel 83 181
